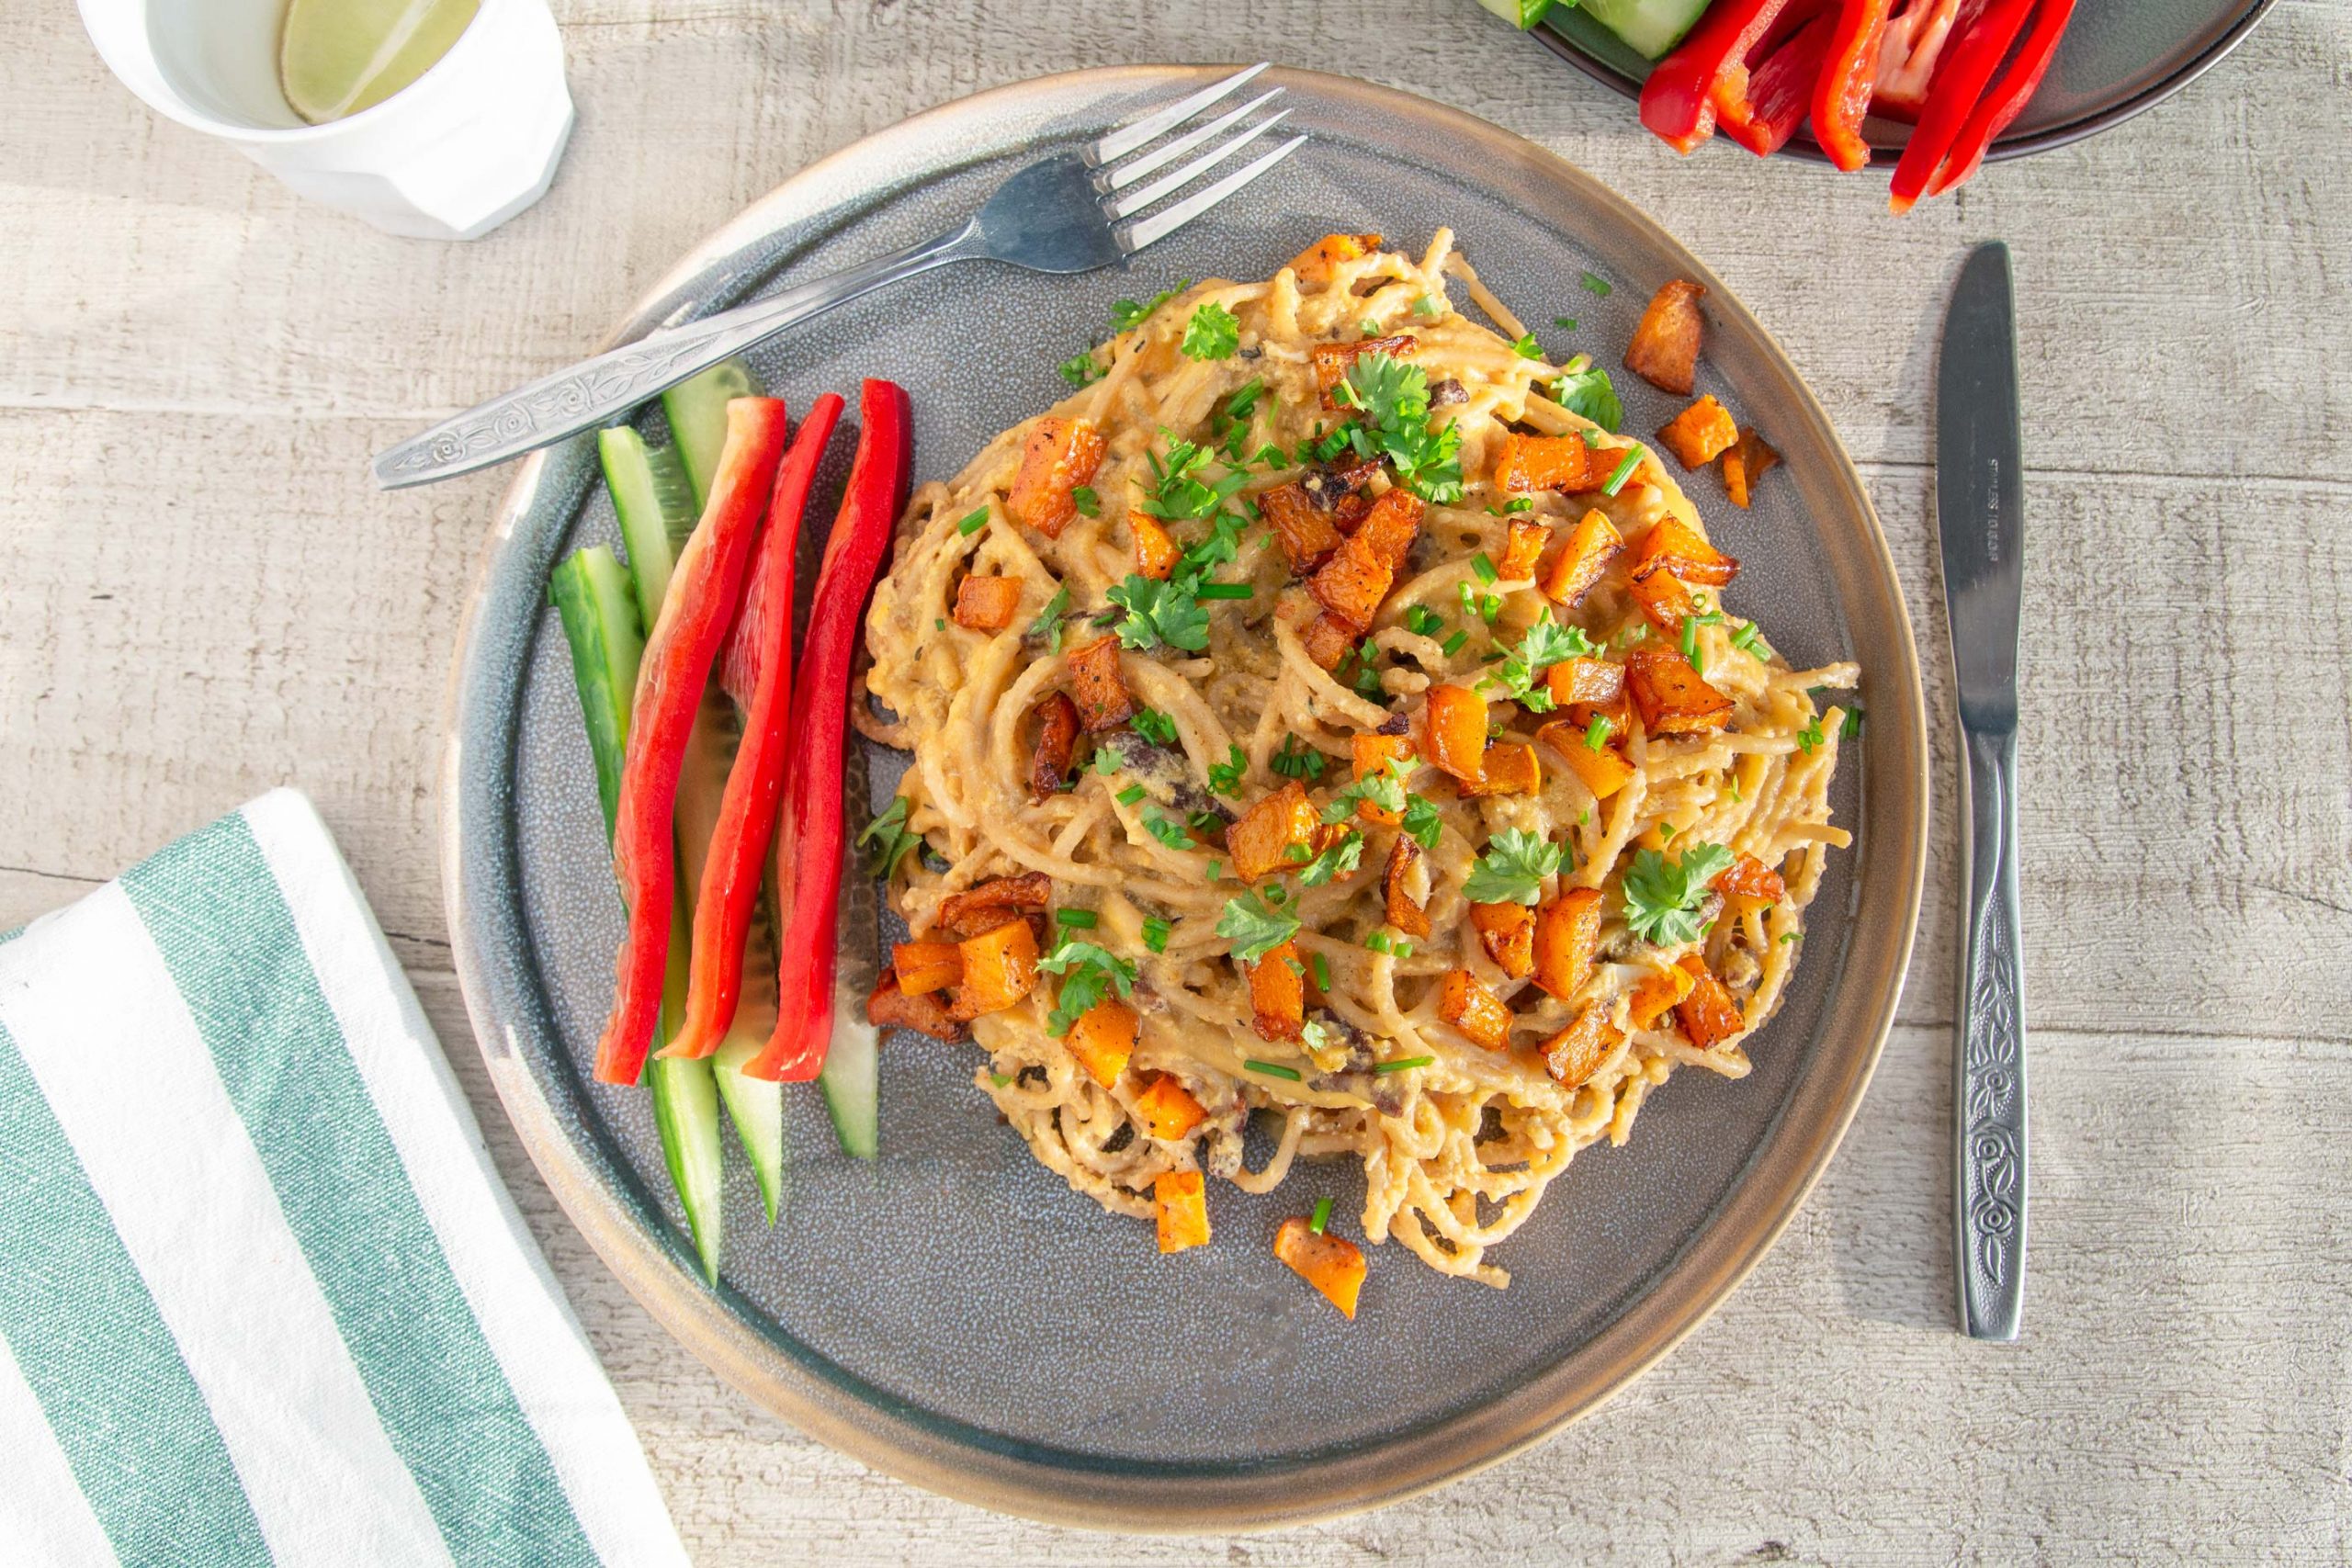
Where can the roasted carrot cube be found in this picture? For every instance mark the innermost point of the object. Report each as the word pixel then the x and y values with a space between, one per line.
pixel 1745 463
pixel 1388 528
pixel 1374 753
pixel 1507 768
pixel 1524 464
pixel 1327 640
pixel 1464 1001
pixel 1404 883
pixel 889 1008
pixel 1167 1108
pixel 1333 362
pixel 1673 698
pixel 1059 455
pixel 987 603
pixel 1751 880
pixel 1665 600
pixel 1307 536
pixel 1710 1014
pixel 1576 1052
pixel 1664 349
pixel 1182 1203
pixel 1522 547
pixel 1507 934
pixel 1056 747
pixel 1454 730
pixel 1574 681
pixel 1676 547
pixel 1604 770
pixel 1700 434
pixel 927 966
pixel 1103 1038
pixel 1314 264
pixel 1567 934
pixel 1000 968
pixel 1660 991
pixel 1351 586
pixel 1156 553
pixel 1591 545
pixel 1103 702
pixel 1260 841
pixel 1278 993
pixel 1332 1264
pixel 992 903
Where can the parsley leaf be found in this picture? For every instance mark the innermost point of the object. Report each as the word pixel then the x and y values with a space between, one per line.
pixel 1154 724
pixel 1588 393
pixel 1296 760
pixel 1089 504
pixel 1048 624
pixel 1338 860
pixel 1177 494
pixel 1108 759
pixel 1427 306
pixel 1394 399
pixel 1528 348
pixel 1546 643
pixel 1165 829
pixel 1159 613
pixel 1089 974
pixel 1513 868
pixel 1081 368
pixel 1598 284
pixel 887 840
pixel 1384 787
pixel 1155 933
pixel 1213 333
pixel 1226 777
pixel 1662 896
pixel 1421 821
pixel 1254 927
pixel 1129 314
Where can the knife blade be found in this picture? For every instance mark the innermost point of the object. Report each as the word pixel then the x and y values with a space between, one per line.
pixel 1980 528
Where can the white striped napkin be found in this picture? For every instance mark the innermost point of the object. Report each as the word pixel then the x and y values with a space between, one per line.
pixel 262 1297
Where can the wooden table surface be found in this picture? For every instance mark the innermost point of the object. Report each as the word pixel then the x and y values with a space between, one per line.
pixel 203 596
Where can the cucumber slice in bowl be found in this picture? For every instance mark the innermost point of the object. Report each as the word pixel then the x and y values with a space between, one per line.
pixel 1652 27
pixel 696 408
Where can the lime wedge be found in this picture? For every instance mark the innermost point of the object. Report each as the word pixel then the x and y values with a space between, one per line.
pixel 337 57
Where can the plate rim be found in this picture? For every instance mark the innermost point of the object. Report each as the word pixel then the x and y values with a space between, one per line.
pixel 933 1451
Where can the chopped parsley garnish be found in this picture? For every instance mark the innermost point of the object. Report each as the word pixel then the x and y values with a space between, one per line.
pixel 1624 471
pixel 1213 333
pixel 1322 1216
pixel 1788 937
pixel 1422 621
pixel 1129 796
pixel 1484 565
pixel 1089 504
pixel 1155 933
pixel 1338 860
pixel 1422 823
pixel 1155 726
pixel 1369 327
pixel 1566 323
pixel 1598 284
pixel 1296 760
pixel 1000 1079
pixel 1394 399
pixel 1749 641
pixel 1048 624
pixel 1395 946
pixel 1271 1069
pixel 1427 306
pixel 1588 394
pixel 1209 592
pixel 1080 920
pixel 1384 788
pixel 1256 925
pixel 1853 725
pixel 974 523
pixel 1177 494
pixel 1129 314
pixel 1165 829
pixel 887 838
pixel 1322 971
pixel 1403 1063
pixel 1528 348
pixel 1513 868
pixel 1809 739
pixel 1452 645
pixel 1108 759
pixel 1081 368
pixel 1546 643
pixel 1595 734
pixel 1089 974
pixel 1159 613
pixel 1226 777
pixel 1662 896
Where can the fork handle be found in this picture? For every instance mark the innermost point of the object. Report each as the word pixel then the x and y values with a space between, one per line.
pixel 596 391
pixel 1988 1102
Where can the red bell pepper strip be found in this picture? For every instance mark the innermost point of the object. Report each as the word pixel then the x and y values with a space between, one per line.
pixel 1760 104
pixel 1968 65
pixel 1911 48
pixel 756 668
pixel 2005 102
pixel 1841 94
pixel 1678 101
pixel 695 614
pixel 809 836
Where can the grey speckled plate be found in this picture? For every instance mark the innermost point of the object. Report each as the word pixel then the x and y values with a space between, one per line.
pixel 954 1314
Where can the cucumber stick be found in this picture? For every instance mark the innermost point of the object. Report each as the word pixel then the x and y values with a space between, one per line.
pixel 593 598
pixel 697 411
pixel 1652 26
pixel 657 514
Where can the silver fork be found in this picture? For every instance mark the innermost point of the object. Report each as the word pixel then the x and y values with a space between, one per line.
pixel 1073 212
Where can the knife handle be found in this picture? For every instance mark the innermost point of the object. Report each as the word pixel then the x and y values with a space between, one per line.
pixel 1988 1100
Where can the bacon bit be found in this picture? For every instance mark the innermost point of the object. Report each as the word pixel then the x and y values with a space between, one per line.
pixel 1665 350
pixel 993 903
pixel 891 1008
pixel 1590 547
pixel 1507 934
pixel 1507 768
pixel 1700 434
pixel 1465 1002
pixel 1307 536
pixel 1056 747
pixel 1333 360
pixel 1674 699
pixel 1182 1210
pixel 1315 263
pixel 1059 455
pixel 1103 702
pixel 1709 1015
pixel 987 603
pixel 1524 464
pixel 1575 1054
pixel 927 966
pixel 1404 910
pixel 1168 1109
pixel 1567 934
pixel 1332 1264
pixel 1278 993
pixel 1156 553
pixel 1674 546
pixel 1523 547
pixel 1259 842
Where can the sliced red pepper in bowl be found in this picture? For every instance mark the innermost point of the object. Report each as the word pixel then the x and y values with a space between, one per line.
pixel 1678 101
pixel 1760 104
pixel 704 588
pixel 1959 83
pixel 1911 48
pixel 810 832
pixel 756 671
pixel 2003 104
pixel 1841 94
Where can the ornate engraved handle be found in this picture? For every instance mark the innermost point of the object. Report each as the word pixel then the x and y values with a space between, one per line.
pixel 596 391
pixel 1988 1102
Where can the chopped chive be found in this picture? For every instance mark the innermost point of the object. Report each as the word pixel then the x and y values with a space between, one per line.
pixel 939 623
pixel 1216 868
pixel 1403 1063
pixel 1566 323
pixel 1484 567
pixel 973 523
pixel 1087 503
pixel 1595 734
pixel 1598 284
pixel 1322 972
pixel 1322 1216
pixel 1274 1070
pixel 1421 621
pixel 1224 590
pixel 1853 725
pixel 1084 920
pixel 1624 471
pixel 1371 328
pixel 1490 606
pixel 1584 817
pixel 1787 937
pixel 1518 504
pixel 1452 645
pixel 1155 933
pixel 1130 794
pixel 999 1079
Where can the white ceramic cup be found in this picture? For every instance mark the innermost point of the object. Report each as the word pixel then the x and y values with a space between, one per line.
pixel 455 153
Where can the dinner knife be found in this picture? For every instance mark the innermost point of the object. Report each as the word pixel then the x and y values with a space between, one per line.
pixel 1980 523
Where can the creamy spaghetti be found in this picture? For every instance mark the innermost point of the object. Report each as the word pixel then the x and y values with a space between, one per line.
pixel 1508 947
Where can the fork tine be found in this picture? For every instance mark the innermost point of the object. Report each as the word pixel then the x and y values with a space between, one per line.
pixel 1133 237
pixel 1135 202
pixel 1120 142
pixel 1128 174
